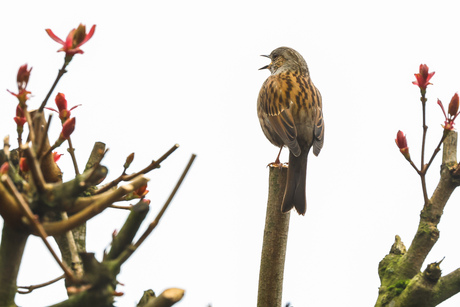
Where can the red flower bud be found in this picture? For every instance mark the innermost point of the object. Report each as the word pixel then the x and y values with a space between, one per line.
pixel 4 168
pixel 23 165
pixel 75 39
pixel 61 103
pixel 453 106
pixel 20 119
pixel 141 192
pixel 451 112
pixel 67 128
pixel 423 77
pixel 19 111
pixel 22 80
pixel 22 96
pixel 401 142
pixel 79 36
pixel 23 77
pixel 56 156
pixel 129 160
pixel 423 70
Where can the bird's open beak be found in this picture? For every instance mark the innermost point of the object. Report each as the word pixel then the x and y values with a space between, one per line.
pixel 266 66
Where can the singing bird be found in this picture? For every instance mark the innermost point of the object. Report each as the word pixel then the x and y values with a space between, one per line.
pixel 290 114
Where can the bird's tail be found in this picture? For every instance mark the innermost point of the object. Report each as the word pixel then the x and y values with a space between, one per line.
pixel 294 195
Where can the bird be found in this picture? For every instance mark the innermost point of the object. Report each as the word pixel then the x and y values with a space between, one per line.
pixel 289 108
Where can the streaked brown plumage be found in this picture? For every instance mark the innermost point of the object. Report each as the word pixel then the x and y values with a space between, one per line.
pixel 290 114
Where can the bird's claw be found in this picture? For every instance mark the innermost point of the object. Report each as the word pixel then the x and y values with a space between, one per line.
pixel 277 164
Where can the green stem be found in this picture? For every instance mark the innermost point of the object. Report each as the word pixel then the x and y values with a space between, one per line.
pixel 422 162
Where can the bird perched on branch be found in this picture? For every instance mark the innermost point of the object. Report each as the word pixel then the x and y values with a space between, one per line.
pixel 290 114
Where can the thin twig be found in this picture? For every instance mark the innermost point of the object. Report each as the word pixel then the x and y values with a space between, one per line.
pixel 71 150
pixel 128 207
pixel 132 248
pixel 438 149
pixel 422 162
pixel 423 180
pixel 154 164
pixel 20 138
pixel 155 222
pixel 37 227
pixel 124 177
pixel 61 72
pixel 425 128
pixel 415 167
pixel 33 287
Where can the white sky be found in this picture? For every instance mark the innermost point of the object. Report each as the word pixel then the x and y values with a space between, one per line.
pixel 158 73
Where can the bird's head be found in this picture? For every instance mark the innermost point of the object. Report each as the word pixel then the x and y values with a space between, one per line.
pixel 285 59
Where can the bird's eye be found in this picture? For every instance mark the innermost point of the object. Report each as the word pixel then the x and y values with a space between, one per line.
pixel 278 58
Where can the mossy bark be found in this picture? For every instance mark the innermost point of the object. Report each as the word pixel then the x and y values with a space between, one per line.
pixel 403 283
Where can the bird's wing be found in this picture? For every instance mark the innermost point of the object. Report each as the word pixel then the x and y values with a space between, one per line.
pixel 275 103
pixel 319 127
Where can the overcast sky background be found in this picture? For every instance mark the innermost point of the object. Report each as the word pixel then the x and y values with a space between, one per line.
pixel 159 73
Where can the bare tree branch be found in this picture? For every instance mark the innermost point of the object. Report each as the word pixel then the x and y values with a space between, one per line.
pixel 37 227
pixel 31 288
pixel 59 227
pixel 276 231
pixel 132 248
pixel 153 165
